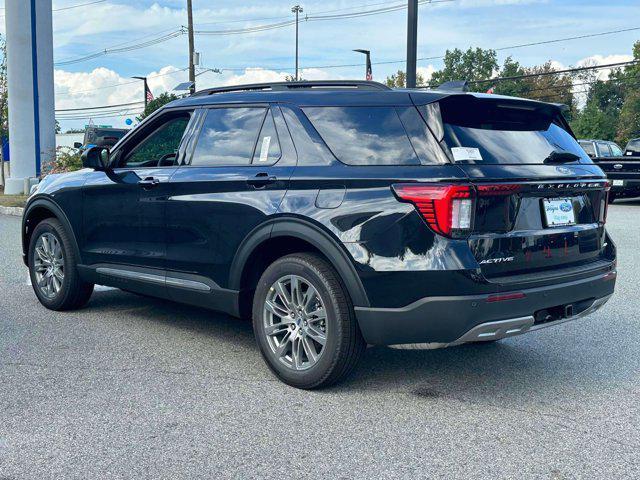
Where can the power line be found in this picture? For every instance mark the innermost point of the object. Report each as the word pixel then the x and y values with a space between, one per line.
pixel 440 57
pixel 115 85
pixel 77 6
pixel 97 108
pixel 127 48
pixel 554 72
pixel 61 9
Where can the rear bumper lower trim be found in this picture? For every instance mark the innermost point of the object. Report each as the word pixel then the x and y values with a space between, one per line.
pixel 458 319
pixel 490 331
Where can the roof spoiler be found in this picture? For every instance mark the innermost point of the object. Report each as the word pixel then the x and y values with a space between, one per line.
pixel 454 86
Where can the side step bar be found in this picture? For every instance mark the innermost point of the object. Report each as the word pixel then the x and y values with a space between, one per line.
pixel 497 330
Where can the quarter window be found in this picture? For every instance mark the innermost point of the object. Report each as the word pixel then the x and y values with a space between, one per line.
pixel 267 151
pixel 228 137
pixel 364 135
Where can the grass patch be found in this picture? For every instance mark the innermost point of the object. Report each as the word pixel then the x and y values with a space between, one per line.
pixel 12 200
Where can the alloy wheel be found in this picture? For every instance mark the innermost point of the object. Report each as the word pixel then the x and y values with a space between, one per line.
pixel 48 265
pixel 295 322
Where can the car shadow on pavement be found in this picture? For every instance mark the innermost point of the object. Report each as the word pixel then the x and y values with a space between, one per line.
pixel 537 366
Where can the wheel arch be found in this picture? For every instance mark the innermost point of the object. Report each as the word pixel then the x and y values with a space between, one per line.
pixel 300 235
pixel 38 210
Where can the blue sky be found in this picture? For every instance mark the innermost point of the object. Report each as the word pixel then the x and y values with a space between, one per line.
pixel 458 23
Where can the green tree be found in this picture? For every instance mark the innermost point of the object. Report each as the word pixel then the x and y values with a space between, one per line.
pixel 156 103
pixel 513 88
pixel 399 80
pixel 472 65
pixel 629 120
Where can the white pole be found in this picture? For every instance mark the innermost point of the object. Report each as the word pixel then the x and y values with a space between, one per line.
pixel 30 84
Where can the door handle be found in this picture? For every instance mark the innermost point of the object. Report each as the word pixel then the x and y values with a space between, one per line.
pixel 148 182
pixel 261 180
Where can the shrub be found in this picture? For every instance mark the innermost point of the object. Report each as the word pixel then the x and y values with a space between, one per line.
pixel 67 159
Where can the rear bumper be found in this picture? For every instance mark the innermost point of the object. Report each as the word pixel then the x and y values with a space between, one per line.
pixel 442 321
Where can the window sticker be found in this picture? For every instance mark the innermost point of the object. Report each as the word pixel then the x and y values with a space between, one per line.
pixel 264 150
pixel 465 154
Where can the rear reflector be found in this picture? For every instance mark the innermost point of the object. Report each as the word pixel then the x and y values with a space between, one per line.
pixel 505 296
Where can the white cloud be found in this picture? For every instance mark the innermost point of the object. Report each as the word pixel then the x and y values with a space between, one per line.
pixel 594 60
pixel 426 72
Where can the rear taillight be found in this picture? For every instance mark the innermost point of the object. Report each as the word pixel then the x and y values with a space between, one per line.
pixel 604 203
pixel 448 209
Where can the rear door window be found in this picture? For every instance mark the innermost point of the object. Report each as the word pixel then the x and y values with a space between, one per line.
pixel 604 150
pixel 481 131
pixel 228 136
pixel 589 148
pixel 364 135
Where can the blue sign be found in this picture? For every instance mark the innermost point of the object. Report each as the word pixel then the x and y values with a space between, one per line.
pixel 128 121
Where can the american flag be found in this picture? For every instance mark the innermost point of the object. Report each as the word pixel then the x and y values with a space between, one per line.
pixel 148 93
pixel 369 71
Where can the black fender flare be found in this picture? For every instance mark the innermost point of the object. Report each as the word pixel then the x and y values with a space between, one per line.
pixel 58 213
pixel 311 233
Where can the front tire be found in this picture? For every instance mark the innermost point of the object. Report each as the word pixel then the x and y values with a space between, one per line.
pixel 52 268
pixel 304 322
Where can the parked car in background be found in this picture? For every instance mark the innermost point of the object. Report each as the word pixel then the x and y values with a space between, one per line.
pixel 336 215
pixel 623 170
pixel 633 148
pixel 601 148
pixel 101 137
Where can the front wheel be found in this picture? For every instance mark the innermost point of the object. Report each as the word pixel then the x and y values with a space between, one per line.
pixel 52 268
pixel 304 322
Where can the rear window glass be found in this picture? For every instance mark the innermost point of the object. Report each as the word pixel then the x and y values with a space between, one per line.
pixel 364 135
pixel 492 132
pixel 634 147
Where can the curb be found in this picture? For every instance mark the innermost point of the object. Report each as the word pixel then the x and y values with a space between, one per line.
pixel 15 211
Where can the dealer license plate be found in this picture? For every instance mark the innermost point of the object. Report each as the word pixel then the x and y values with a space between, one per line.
pixel 558 212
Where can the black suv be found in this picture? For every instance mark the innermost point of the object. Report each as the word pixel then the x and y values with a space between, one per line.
pixel 336 215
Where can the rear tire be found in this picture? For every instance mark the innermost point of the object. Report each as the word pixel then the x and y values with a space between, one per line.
pixel 52 268
pixel 304 322
pixel 612 197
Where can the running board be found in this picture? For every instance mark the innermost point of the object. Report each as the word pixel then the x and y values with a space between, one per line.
pixel 154 278
pixel 490 331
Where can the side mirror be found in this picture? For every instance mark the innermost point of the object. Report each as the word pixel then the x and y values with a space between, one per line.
pixel 77 144
pixel 96 158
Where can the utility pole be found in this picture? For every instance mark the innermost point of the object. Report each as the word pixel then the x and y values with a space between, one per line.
pixel 412 43
pixel 146 89
pixel 297 10
pixel 192 67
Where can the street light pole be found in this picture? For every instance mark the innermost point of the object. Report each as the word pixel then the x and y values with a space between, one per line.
pixel 297 10
pixel 146 89
pixel 192 67
pixel 412 42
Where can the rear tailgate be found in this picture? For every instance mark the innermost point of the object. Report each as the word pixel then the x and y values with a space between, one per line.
pixel 540 203
pixel 514 237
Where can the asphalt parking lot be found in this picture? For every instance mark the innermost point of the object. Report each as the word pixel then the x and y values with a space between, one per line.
pixel 132 387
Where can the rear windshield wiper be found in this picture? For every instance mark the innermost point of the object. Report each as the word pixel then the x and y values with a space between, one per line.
pixel 558 156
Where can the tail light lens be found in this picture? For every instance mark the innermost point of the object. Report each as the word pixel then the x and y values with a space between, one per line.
pixel 448 209
pixel 604 203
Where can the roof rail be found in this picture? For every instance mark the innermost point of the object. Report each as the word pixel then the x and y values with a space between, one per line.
pixel 289 86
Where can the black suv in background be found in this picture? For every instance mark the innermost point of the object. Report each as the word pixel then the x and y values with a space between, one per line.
pixel 335 215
